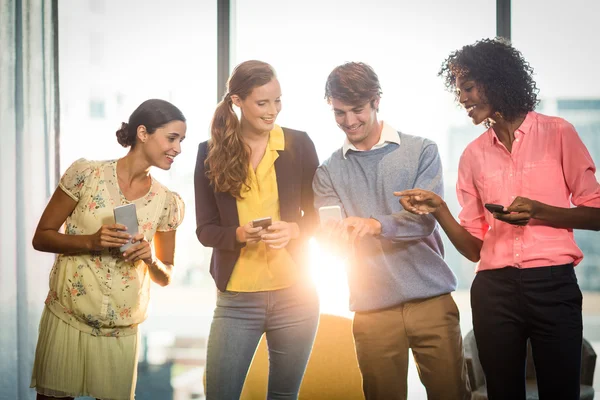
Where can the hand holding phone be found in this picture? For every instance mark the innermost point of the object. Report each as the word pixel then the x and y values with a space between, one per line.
pixel 330 213
pixel 263 223
pixel 495 208
pixel 331 226
pixel 109 236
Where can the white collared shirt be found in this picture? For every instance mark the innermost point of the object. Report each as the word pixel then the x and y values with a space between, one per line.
pixel 388 135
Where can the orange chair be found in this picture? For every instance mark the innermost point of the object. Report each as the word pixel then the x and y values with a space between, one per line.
pixel 332 372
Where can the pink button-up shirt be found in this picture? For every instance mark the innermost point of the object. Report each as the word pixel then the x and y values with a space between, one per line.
pixel 549 163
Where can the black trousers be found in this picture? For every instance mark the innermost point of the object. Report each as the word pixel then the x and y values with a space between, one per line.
pixel 543 304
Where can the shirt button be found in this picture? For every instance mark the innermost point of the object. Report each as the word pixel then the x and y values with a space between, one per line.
pixel 517 255
pixel 517 239
pixel 516 140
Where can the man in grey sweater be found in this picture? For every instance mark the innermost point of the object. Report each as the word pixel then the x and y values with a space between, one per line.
pixel 399 282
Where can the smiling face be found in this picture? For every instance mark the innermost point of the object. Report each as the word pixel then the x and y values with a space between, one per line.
pixel 161 147
pixel 260 108
pixel 359 123
pixel 471 96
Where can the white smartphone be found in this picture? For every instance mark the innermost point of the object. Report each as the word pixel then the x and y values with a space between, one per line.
pixel 127 215
pixel 330 213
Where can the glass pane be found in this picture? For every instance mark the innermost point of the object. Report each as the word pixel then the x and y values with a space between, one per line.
pixel 114 55
pixel 565 59
pixel 566 74
pixel 405 42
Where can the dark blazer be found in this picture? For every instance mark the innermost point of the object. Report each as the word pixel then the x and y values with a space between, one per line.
pixel 217 217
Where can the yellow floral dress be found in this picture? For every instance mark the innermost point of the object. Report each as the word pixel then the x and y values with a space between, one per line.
pixel 97 297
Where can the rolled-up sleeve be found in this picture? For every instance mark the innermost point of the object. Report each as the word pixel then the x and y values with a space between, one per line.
pixel 404 225
pixel 579 169
pixel 472 214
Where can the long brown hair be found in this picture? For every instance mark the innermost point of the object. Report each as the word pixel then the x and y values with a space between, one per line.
pixel 228 155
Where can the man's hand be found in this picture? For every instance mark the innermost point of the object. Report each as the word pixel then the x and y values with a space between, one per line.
pixel 520 212
pixel 359 227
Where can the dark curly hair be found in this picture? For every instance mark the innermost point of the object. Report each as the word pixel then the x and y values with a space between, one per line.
pixel 499 70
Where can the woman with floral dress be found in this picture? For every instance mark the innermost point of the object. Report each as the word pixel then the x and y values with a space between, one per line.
pixel 88 334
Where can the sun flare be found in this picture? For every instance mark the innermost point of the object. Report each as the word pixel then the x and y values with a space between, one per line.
pixel 328 272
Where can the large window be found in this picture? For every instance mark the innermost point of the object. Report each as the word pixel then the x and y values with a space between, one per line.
pixel 114 55
pixel 566 74
pixel 565 60
pixel 404 41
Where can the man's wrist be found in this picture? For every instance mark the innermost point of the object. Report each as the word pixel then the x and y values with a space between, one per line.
pixel 376 226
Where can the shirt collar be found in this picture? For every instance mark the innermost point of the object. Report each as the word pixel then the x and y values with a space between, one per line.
pixel 527 123
pixel 524 128
pixel 276 139
pixel 388 135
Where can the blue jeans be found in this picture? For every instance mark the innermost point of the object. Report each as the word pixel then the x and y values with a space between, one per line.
pixel 289 317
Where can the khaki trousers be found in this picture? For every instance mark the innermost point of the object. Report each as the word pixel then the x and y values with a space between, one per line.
pixel 430 327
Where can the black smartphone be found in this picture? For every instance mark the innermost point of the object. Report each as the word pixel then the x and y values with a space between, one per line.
pixel 496 208
pixel 262 222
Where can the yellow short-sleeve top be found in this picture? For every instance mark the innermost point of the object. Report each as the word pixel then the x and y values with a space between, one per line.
pixel 98 292
pixel 260 268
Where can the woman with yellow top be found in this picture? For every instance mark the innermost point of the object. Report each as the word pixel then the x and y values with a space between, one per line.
pixel 88 341
pixel 252 169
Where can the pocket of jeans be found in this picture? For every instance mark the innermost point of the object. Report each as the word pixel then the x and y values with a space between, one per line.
pixel 473 295
pixel 454 307
pixel 571 294
pixel 227 294
pixel 573 276
pixel 357 328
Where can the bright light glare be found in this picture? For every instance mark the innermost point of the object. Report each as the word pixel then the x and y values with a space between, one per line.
pixel 329 275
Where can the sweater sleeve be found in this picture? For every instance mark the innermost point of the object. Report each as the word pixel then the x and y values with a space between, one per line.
pixel 325 194
pixel 404 225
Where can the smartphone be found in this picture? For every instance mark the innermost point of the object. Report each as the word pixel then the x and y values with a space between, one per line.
pixel 330 213
pixel 127 215
pixel 262 222
pixel 495 208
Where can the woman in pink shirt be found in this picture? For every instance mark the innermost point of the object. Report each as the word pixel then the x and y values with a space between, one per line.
pixel 535 167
